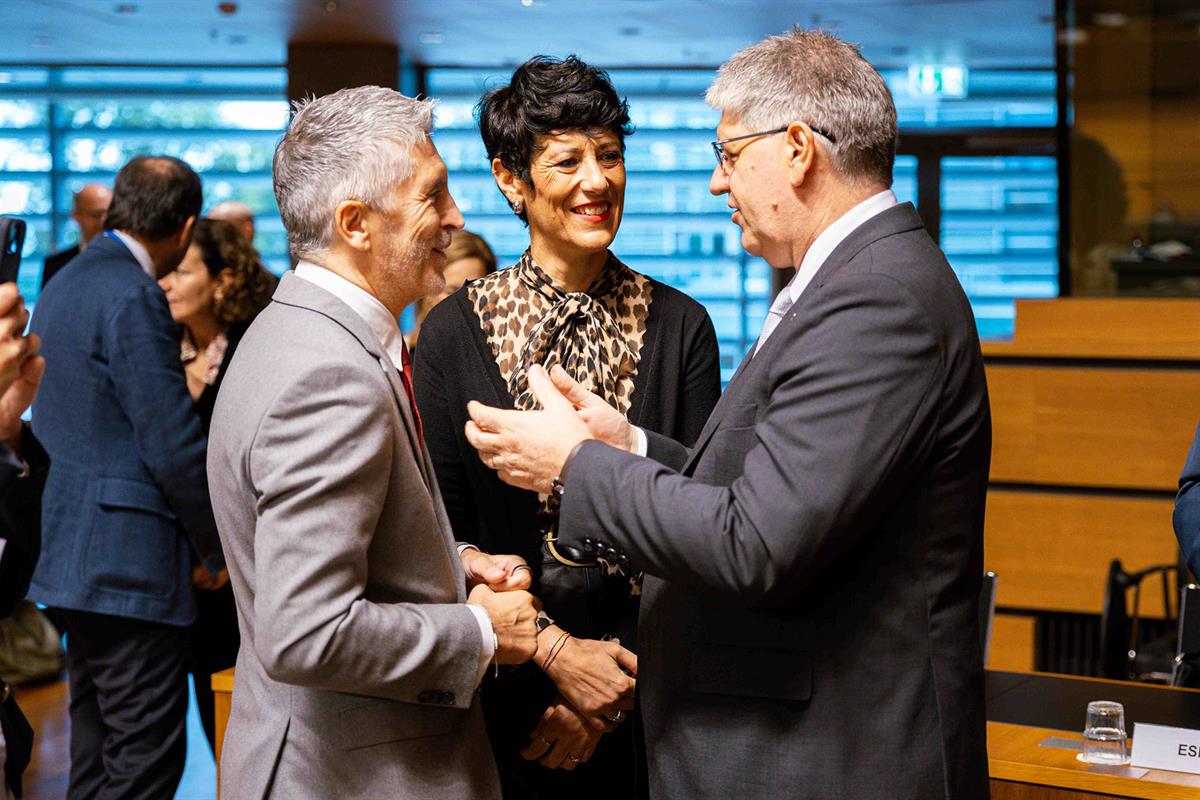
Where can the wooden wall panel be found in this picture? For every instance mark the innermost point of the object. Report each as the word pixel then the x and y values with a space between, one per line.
pixel 1093 327
pixel 1012 643
pixel 1121 428
pixel 1051 551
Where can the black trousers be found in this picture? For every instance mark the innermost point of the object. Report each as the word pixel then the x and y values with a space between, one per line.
pixel 214 647
pixel 128 706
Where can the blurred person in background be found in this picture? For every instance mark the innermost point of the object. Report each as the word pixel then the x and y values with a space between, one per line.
pixel 556 139
pixel 468 258
pixel 239 214
pixel 88 210
pixel 127 525
pixel 215 293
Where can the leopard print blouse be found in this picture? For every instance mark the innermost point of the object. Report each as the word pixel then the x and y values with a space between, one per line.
pixel 595 335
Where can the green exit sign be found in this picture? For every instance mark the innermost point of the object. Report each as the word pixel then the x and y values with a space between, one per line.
pixel 933 80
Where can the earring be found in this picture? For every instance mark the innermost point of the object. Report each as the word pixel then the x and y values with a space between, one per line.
pixel 517 207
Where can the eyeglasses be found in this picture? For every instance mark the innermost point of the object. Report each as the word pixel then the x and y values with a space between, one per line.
pixel 719 145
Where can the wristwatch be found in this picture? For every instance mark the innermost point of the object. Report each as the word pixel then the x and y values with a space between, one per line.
pixel 543 621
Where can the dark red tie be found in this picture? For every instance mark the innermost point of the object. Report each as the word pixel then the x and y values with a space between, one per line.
pixel 406 376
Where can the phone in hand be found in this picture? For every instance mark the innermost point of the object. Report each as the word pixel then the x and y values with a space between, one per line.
pixel 12 239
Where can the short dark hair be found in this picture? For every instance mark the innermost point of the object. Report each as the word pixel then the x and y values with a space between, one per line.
pixel 546 95
pixel 153 196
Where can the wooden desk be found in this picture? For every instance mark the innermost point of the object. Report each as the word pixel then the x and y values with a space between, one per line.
pixel 1026 709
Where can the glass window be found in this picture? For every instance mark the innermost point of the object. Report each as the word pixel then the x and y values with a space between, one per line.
pixel 62 127
pixel 1000 232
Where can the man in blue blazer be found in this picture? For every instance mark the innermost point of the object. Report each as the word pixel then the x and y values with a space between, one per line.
pixel 126 521
pixel 1187 508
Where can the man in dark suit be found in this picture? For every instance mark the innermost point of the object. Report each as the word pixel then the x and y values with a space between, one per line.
pixel 88 209
pixel 126 521
pixel 810 612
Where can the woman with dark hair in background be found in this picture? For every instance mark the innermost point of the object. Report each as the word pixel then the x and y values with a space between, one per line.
pixel 468 258
pixel 556 139
pixel 214 293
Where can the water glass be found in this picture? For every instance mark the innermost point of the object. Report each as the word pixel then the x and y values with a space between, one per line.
pixel 1104 740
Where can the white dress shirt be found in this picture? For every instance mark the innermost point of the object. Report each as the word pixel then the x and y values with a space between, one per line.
pixel 820 250
pixel 384 326
pixel 138 249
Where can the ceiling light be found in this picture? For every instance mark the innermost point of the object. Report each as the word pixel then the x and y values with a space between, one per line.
pixel 432 37
pixel 527 3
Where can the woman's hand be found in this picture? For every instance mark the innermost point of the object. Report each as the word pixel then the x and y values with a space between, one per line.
pixel 505 573
pixel 596 678
pixel 562 739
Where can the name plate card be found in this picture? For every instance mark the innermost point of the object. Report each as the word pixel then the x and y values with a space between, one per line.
pixel 1163 747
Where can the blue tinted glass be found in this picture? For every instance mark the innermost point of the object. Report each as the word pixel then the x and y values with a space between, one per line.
pixel 1000 232
pixel 225 122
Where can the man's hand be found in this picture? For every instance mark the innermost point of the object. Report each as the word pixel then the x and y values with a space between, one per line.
pixel 527 448
pixel 604 422
pixel 21 368
pixel 593 676
pixel 500 573
pixel 203 579
pixel 561 740
pixel 513 616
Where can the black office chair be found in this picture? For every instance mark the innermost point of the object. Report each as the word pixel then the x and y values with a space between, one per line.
pixel 1122 654
pixel 987 613
pixel 1186 667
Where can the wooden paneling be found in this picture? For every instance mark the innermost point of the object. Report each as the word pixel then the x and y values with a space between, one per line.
pixel 1012 643
pixel 1121 428
pixel 1052 550
pixel 1086 327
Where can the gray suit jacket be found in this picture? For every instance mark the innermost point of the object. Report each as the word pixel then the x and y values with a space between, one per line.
pixel 356 676
pixel 810 617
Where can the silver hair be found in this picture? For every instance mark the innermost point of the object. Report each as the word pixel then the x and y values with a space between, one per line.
pixel 813 77
pixel 342 146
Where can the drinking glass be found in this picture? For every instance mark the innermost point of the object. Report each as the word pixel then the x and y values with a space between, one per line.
pixel 1104 740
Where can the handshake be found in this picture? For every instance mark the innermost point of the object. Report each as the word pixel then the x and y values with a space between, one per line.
pixel 500 586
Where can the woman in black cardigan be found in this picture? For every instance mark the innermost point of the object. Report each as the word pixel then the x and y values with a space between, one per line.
pixel 214 293
pixel 556 139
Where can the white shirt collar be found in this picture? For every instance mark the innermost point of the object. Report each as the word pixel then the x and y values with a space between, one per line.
pixel 138 249
pixel 829 239
pixel 361 302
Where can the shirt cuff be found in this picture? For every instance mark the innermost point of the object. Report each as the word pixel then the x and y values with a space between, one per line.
pixel 466 546
pixel 640 443
pixel 487 637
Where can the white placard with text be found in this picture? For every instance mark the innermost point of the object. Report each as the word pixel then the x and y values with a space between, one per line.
pixel 1163 747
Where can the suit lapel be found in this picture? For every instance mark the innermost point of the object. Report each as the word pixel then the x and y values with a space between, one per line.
pixel 897 219
pixel 296 291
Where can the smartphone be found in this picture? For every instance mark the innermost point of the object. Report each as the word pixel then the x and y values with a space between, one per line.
pixel 12 239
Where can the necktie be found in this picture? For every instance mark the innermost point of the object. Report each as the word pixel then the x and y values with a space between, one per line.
pixel 783 301
pixel 406 378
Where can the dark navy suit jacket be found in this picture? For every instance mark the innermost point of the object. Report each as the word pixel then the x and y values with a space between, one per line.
pixel 1187 508
pixel 126 511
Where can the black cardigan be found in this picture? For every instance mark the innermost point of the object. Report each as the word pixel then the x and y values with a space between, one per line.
pixel 677 385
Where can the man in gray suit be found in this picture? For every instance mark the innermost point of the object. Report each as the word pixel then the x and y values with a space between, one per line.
pixel 359 661
pixel 809 618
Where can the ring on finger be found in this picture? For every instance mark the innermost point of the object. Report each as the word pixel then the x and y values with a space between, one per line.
pixel 573 759
pixel 616 718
